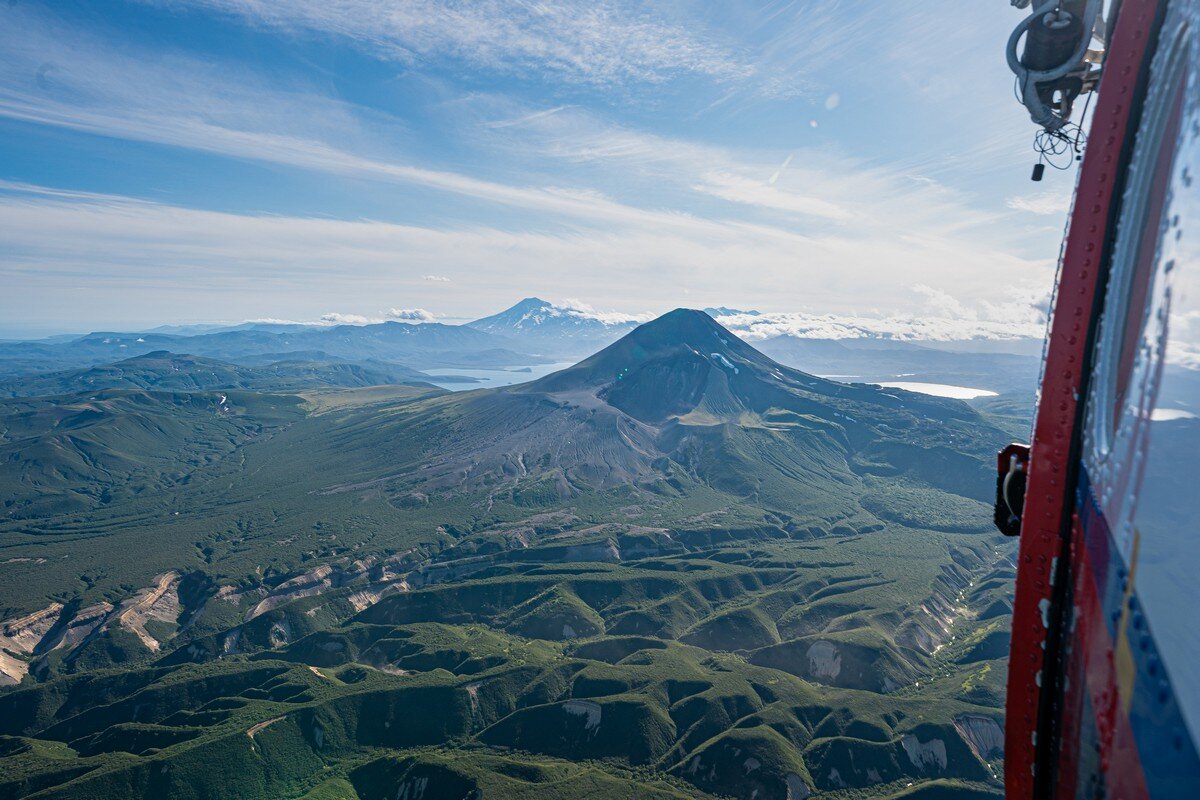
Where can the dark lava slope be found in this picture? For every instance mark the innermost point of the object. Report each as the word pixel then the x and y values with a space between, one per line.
pixel 682 398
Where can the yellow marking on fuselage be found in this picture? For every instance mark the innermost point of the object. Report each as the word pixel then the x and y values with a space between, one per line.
pixel 1123 657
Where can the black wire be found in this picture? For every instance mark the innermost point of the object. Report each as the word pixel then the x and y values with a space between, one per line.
pixel 1083 119
pixel 1051 146
pixel 1069 141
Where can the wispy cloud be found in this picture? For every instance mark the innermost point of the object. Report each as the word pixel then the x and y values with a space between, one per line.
pixel 743 189
pixel 614 209
pixel 190 104
pixel 88 249
pixel 332 318
pixel 1046 204
pixel 777 173
pixel 596 42
pixel 524 119
pixel 901 327
pixel 104 101
pixel 822 191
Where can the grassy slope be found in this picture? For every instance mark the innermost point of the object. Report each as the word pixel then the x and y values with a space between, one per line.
pixel 443 667
pixel 743 616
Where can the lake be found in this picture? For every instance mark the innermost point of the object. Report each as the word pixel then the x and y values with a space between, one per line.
pixel 940 389
pixel 491 378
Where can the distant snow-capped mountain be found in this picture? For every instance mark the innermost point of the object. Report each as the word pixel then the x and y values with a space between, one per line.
pixel 558 329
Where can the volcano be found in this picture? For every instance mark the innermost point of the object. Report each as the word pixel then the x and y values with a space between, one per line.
pixel 681 400
pixel 685 363
pixel 537 325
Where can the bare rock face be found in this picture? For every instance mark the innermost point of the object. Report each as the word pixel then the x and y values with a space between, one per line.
pixel 797 789
pixel 591 712
pixel 12 670
pixel 310 584
pixel 824 660
pixel 24 640
pixel 80 628
pixel 983 734
pixel 606 551
pixel 159 602
pixel 22 635
pixel 19 637
pixel 926 756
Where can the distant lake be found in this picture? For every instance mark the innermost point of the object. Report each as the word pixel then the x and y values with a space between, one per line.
pixel 940 389
pixel 491 378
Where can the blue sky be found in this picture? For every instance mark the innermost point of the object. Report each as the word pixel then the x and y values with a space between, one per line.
pixel 197 160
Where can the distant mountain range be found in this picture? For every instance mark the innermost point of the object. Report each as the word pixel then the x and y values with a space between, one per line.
pixel 413 345
pixel 536 325
pixel 162 370
pixel 532 332
pixel 884 360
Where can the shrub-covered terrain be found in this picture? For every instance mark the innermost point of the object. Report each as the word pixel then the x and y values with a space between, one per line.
pixel 677 569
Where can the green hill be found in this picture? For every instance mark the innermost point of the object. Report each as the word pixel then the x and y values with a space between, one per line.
pixel 165 371
pixel 676 569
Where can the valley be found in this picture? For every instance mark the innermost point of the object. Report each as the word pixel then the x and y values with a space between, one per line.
pixel 677 568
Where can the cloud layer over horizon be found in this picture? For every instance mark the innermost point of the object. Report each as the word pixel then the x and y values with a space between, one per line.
pixel 229 158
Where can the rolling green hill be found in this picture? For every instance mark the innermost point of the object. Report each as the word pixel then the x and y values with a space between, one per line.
pixel 166 371
pixel 676 569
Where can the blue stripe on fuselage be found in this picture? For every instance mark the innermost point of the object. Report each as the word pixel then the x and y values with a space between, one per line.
pixel 1165 748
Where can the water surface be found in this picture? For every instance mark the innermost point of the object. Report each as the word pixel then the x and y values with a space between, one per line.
pixel 940 389
pixel 491 378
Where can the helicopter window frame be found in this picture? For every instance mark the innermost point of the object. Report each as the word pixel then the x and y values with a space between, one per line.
pixel 1110 400
pixel 1123 383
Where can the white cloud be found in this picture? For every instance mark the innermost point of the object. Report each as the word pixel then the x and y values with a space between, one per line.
pixel 1021 312
pixel 940 300
pixel 331 318
pixel 577 308
pixel 190 103
pixel 777 173
pixel 740 189
pixel 334 318
pixel 78 251
pixel 589 41
pixel 523 119
pixel 902 327
pixel 814 185
pixel 714 224
pixel 411 315
pixel 1046 204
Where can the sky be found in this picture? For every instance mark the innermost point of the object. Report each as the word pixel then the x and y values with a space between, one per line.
pixel 179 161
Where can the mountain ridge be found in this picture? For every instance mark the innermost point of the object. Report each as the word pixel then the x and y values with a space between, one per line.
pixel 162 369
pixel 414 345
pixel 674 569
